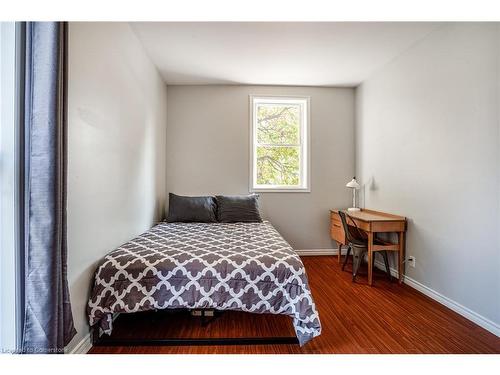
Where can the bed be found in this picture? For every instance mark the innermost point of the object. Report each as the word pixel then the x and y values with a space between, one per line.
pixel 223 266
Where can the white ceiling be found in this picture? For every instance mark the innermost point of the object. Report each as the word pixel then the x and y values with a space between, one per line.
pixel 310 54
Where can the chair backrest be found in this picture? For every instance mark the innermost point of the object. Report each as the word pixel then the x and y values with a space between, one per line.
pixel 347 229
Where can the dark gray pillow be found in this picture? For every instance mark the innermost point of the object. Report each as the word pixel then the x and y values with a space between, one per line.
pixel 191 209
pixel 238 208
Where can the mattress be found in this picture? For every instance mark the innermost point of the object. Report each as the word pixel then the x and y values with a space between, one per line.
pixel 237 266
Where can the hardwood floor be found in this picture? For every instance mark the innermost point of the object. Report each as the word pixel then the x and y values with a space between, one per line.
pixel 355 318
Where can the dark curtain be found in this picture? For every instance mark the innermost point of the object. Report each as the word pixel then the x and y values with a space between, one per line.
pixel 48 322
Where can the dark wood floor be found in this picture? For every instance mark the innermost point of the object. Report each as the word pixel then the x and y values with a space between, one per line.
pixel 356 318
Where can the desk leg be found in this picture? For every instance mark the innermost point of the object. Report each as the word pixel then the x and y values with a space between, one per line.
pixel 339 255
pixel 370 257
pixel 401 255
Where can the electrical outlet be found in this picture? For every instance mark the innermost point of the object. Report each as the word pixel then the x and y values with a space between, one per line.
pixel 411 261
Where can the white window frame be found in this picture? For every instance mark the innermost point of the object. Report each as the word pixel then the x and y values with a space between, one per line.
pixel 9 308
pixel 305 154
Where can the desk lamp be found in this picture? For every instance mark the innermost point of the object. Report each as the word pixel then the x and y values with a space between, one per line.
pixel 353 184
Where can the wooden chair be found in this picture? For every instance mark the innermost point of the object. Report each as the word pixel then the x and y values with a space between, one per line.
pixel 358 244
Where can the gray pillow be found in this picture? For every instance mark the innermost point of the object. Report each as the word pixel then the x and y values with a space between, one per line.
pixel 238 208
pixel 191 209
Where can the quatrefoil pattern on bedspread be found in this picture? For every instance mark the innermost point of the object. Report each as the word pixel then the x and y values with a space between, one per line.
pixel 241 266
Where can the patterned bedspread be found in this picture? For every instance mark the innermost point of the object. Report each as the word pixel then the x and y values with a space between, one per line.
pixel 241 266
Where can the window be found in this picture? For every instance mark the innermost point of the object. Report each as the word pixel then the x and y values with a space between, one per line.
pixel 9 312
pixel 279 144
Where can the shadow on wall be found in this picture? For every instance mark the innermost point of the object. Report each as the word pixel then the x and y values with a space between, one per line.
pixel 370 185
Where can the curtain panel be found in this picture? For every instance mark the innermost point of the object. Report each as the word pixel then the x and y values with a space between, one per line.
pixel 48 322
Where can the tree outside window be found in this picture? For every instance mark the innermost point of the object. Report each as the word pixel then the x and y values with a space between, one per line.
pixel 279 144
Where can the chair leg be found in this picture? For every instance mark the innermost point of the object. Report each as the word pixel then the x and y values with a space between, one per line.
pixel 357 258
pixel 346 257
pixel 355 265
pixel 387 268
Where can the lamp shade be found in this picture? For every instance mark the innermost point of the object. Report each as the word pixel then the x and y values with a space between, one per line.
pixel 353 184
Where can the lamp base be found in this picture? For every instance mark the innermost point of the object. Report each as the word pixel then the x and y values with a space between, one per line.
pixel 351 209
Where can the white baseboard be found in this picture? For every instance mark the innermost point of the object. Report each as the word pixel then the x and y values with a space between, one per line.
pixel 85 344
pixel 82 347
pixel 443 300
pixel 316 252
pixel 453 305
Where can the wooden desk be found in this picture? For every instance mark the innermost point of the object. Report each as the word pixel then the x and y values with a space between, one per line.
pixel 372 222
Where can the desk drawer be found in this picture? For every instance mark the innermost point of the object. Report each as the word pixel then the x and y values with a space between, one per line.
pixel 336 230
pixel 363 225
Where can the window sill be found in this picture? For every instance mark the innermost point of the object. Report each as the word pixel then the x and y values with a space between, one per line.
pixel 280 190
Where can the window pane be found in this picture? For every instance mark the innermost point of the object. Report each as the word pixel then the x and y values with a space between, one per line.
pixel 278 124
pixel 278 165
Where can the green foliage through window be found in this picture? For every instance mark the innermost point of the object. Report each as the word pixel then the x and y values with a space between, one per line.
pixel 278 148
pixel 278 124
pixel 278 165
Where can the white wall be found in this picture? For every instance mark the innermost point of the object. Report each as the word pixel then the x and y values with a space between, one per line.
pixel 208 153
pixel 117 136
pixel 428 146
